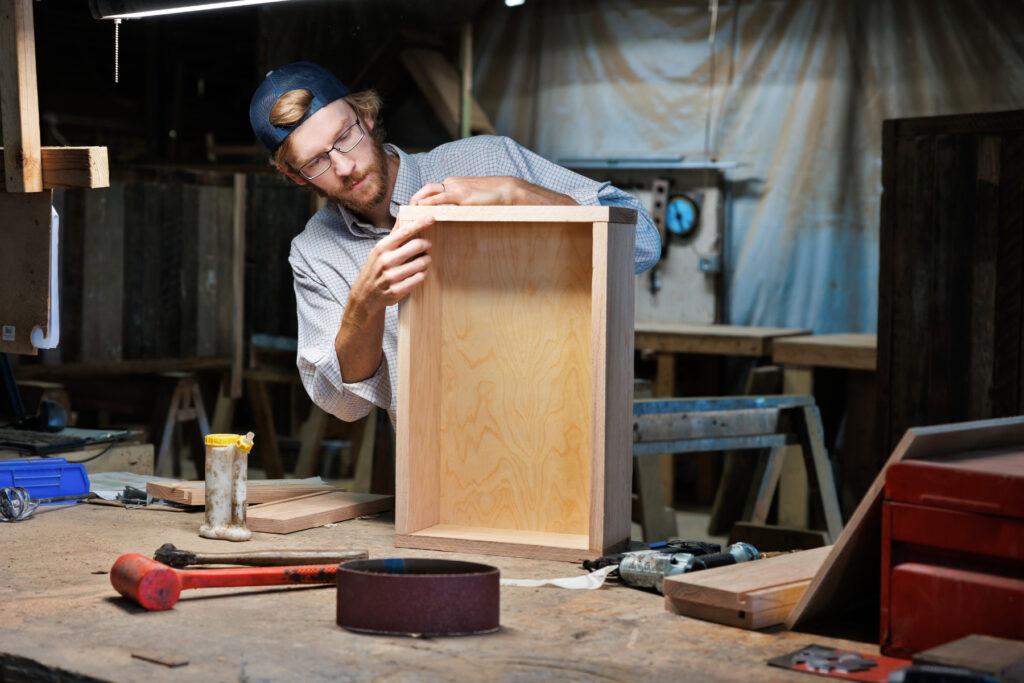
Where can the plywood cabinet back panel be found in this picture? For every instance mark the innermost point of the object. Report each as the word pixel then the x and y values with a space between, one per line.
pixel 516 306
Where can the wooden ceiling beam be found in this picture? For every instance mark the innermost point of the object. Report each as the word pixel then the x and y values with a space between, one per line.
pixel 69 167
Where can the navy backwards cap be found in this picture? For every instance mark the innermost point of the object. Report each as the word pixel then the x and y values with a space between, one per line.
pixel 316 79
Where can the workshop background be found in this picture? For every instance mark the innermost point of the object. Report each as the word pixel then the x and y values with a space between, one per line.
pixel 793 91
pixel 827 361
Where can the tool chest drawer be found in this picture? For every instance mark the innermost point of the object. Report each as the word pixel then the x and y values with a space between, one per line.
pixel 933 605
pixel 952 550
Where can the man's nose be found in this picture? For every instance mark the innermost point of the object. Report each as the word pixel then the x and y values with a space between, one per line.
pixel 342 163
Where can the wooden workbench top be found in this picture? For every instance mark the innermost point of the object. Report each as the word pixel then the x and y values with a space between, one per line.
pixel 726 340
pixel 60 612
pixel 849 351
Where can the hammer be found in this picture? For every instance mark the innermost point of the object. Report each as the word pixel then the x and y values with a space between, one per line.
pixel 157 586
pixel 174 557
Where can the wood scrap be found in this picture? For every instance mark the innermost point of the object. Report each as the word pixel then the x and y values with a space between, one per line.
pixel 69 167
pixel 750 595
pixel 313 510
pixel 259 491
pixel 998 657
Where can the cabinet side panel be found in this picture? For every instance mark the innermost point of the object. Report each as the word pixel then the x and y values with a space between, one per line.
pixel 419 382
pixel 612 371
pixel 515 388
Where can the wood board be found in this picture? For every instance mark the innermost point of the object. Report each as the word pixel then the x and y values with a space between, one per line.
pixel 732 340
pixel 440 84
pixel 24 269
pixel 313 510
pixel 850 575
pixel 259 490
pixel 999 657
pixel 515 380
pixel 67 167
pixel 951 272
pixel 19 99
pixel 749 595
pixel 848 351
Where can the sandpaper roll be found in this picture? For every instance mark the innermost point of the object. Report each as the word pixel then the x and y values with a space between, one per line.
pixel 418 597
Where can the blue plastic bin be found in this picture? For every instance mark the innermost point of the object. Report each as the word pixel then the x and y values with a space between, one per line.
pixel 45 477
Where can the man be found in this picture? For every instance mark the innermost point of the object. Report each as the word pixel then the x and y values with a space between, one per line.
pixel 351 268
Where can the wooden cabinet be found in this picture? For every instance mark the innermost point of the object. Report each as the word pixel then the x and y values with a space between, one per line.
pixel 951 271
pixel 515 383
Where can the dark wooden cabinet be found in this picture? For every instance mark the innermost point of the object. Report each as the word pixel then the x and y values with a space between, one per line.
pixel 951 272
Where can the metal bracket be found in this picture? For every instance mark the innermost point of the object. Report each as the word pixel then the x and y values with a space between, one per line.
pixel 659 201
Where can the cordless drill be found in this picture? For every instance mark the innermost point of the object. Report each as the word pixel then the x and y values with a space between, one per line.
pixel 648 568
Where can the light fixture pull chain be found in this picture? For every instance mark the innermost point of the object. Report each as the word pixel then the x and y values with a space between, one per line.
pixel 117 48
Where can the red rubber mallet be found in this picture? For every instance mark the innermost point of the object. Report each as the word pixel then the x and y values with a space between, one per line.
pixel 157 586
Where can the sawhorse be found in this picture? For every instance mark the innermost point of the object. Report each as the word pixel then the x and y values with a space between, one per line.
pixel 741 423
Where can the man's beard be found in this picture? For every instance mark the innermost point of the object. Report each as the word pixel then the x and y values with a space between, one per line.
pixel 375 173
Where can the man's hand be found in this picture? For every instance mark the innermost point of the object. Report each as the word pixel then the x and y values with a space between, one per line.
pixel 490 191
pixel 396 265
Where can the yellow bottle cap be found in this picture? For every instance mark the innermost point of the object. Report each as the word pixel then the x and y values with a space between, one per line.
pixel 244 443
pixel 220 439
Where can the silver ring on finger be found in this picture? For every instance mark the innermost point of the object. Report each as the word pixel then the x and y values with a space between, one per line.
pixel 442 188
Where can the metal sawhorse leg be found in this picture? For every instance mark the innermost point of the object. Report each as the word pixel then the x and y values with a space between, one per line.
pixel 754 423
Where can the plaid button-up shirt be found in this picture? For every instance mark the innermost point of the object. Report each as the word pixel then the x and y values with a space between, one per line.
pixel 328 255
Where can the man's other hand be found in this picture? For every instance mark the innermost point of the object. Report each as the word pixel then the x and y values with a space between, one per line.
pixel 396 265
pixel 488 191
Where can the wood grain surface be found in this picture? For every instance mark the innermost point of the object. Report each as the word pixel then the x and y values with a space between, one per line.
pixel 313 510
pixel 752 594
pixel 515 381
pixel 24 268
pixel 849 351
pixel 515 377
pixel 259 490
pixel 522 214
pixel 611 395
pixel 67 167
pixel 731 340
pixel 19 98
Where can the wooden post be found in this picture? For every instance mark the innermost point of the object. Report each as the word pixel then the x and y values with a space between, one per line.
pixel 238 285
pixel 466 110
pixel 18 97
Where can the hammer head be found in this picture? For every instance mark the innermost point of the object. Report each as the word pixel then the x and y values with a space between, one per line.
pixel 149 583
pixel 174 557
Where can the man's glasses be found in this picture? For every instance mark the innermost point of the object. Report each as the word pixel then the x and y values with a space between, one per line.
pixel 345 143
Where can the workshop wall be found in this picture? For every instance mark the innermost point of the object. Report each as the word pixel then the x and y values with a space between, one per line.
pixel 794 90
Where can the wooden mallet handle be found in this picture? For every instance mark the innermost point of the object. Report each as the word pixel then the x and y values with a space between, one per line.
pixel 176 557
pixel 156 586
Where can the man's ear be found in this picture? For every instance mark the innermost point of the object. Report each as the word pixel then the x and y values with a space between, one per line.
pixel 292 174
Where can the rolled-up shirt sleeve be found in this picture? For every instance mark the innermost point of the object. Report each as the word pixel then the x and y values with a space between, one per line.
pixel 587 192
pixel 319 318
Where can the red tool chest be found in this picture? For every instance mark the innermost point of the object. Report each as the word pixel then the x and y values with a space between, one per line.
pixel 952 549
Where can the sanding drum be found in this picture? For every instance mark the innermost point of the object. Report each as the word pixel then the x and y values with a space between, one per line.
pixel 418 597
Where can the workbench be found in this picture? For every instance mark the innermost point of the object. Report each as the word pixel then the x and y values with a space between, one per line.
pixel 60 612
pixel 839 369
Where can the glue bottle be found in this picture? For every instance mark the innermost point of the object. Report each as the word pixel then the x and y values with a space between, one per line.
pixel 227 465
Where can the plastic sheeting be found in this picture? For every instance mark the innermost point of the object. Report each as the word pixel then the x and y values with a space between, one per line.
pixel 798 95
